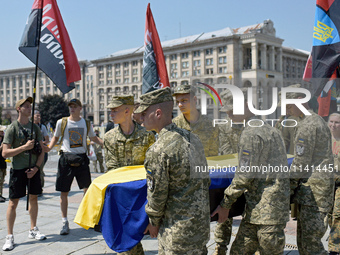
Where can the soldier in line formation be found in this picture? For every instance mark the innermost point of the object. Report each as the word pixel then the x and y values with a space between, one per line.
pixel 126 144
pixel 267 196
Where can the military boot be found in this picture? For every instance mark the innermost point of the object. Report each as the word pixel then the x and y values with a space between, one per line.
pixel 220 250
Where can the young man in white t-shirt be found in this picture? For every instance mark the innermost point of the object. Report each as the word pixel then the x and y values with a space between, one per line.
pixel 73 160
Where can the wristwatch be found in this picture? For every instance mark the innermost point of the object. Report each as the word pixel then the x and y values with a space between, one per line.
pixel 37 167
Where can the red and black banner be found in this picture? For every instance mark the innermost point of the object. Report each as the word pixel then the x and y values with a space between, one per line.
pixel 57 58
pixel 155 75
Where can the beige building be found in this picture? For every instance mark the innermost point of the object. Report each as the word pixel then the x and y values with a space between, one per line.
pixel 246 56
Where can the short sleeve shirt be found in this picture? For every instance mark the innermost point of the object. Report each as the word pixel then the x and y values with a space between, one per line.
pixel 74 140
pixel 15 137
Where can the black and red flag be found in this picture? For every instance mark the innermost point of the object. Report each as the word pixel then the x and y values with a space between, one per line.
pixel 326 43
pixel 56 56
pixel 155 74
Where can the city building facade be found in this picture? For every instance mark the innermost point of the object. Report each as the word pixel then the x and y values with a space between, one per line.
pixel 251 56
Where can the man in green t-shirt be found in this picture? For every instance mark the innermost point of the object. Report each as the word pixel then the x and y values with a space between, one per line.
pixel 16 144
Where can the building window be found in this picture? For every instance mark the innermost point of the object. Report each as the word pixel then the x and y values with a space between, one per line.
pixel 222 49
pixel 135 79
pixel 197 72
pixel 197 53
pixel 197 62
pixel 209 71
pixel 109 74
pixel 209 61
pixel 173 57
pixel 185 55
pixel 126 80
pixel 117 72
pixel 209 51
pixel 126 64
pixel 101 76
pixel 117 65
pixel 174 66
pixel 100 68
pixel 135 71
pixel 185 64
pixel 109 67
pixel 185 74
pixel 126 72
pixel 173 84
pixel 135 63
pixel 174 75
pixel 222 60
pixel 117 81
pixel 222 69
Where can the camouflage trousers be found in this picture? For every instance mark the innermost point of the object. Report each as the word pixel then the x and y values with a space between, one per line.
pixel 164 251
pixel 2 179
pixel 334 223
pixel 311 227
pixel 137 250
pixel 100 160
pixel 223 233
pixel 267 239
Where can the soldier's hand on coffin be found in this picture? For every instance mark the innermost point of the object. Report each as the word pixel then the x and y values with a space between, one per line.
pixel 223 214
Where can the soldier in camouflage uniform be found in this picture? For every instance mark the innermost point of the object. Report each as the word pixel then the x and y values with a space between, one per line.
pixel 178 199
pixel 334 219
pixel 192 120
pixel 126 144
pixel 312 183
pixel 229 137
pixel 266 192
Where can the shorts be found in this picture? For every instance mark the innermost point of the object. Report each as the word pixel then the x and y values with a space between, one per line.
pixel 18 182
pixel 66 174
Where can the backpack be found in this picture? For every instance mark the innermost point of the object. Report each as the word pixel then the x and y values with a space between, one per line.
pixel 64 123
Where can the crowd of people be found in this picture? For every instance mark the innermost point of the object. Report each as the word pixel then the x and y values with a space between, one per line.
pixel 145 133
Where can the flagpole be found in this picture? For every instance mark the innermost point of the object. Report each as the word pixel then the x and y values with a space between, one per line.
pixel 39 21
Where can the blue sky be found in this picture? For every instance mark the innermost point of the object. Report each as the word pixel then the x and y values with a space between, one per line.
pixel 99 28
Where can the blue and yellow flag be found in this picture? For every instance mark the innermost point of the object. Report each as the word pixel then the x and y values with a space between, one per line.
pixel 326 42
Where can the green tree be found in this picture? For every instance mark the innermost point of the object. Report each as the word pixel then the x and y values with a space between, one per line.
pixel 52 108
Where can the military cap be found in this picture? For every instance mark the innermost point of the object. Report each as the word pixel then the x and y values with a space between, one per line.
pixel 121 100
pixel 184 89
pixel 292 95
pixel 227 99
pixel 22 101
pixel 74 101
pixel 154 97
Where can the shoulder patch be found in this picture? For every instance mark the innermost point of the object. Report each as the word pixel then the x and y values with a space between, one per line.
pixel 245 158
pixel 300 147
pixel 150 182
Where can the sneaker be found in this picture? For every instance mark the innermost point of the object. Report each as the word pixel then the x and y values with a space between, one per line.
pixel 9 244
pixel 35 234
pixel 2 199
pixel 65 230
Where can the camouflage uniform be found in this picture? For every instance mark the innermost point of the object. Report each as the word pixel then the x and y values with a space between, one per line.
pixel 121 150
pixel 99 154
pixel 288 133
pixel 126 150
pixel 334 219
pixel 177 201
pixel 204 129
pixel 229 137
pixel 178 197
pixel 312 189
pixel 267 193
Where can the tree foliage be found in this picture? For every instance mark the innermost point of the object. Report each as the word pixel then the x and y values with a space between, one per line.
pixel 52 108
